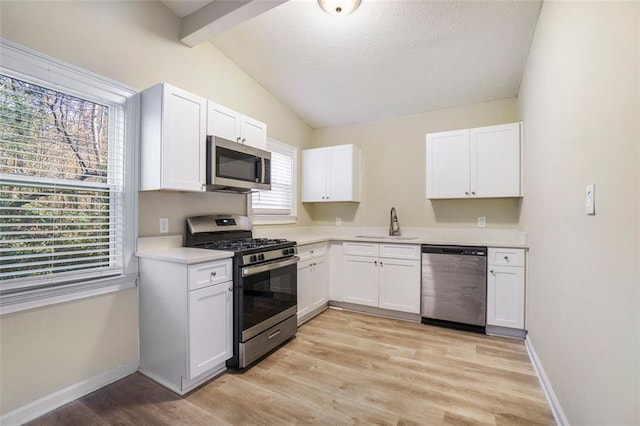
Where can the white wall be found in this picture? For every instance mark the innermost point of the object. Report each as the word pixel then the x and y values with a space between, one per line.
pixel 136 43
pixel 580 103
pixel 394 174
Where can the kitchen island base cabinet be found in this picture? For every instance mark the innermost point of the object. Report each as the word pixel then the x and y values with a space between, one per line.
pixel 185 321
pixel 313 286
pixel 505 292
pixel 385 276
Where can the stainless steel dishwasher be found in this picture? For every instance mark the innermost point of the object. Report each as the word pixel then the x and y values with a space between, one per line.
pixel 454 286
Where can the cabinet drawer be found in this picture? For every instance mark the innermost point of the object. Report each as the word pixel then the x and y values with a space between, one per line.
pixel 360 249
pixel 311 251
pixel 400 251
pixel 505 257
pixel 206 274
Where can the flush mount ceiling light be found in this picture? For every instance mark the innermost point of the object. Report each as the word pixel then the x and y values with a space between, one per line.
pixel 339 7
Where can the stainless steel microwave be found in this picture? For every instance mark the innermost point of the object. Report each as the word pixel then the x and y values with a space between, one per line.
pixel 235 167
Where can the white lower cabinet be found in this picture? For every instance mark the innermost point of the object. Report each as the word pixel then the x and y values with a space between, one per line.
pixel 186 321
pixel 210 319
pixel 382 275
pixel 313 285
pixel 506 289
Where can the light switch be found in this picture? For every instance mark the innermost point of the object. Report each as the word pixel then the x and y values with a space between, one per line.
pixel 338 221
pixel 591 199
pixel 482 221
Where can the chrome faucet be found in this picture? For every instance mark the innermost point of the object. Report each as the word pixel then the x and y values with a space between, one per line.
pixel 394 225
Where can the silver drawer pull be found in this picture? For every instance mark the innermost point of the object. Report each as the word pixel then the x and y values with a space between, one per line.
pixel 506 258
pixel 274 334
pixel 213 274
pixel 230 288
pixel 492 271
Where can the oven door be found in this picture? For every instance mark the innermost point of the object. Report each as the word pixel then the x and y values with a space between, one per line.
pixel 269 295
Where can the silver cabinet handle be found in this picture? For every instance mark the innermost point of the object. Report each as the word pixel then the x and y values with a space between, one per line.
pixel 375 262
pixel 238 139
pixel 466 193
pixel 506 258
pixel 492 271
pixel 381 264
pixel 473 193
pixel 213 274
pixel 230 288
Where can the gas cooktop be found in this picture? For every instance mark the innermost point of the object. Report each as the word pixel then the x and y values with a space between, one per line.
pixel 243 244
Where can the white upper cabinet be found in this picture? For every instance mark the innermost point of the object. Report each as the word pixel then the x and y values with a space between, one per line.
pixel 331 174
pixel 173 139
pixel 483 162
pixel 229 124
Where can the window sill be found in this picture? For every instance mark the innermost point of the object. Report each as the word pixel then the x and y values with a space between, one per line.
pixel 273 219
pixel 36 298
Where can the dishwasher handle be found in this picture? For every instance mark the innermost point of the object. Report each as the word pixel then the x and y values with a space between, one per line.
pixel 455 250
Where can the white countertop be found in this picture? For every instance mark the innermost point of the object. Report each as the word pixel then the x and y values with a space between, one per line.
pixel 169 248
pixel 305 239
pixel 185 255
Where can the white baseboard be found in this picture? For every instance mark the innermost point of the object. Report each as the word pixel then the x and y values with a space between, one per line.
pixel 57 399
pixel 552 399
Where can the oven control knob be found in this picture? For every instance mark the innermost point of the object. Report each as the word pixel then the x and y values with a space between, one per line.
pixel 253 258
pixel 261 257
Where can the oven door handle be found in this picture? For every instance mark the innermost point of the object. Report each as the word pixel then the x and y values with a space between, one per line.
pixel 252 270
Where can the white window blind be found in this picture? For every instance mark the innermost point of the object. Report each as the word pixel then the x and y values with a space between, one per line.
pixel 61 185
pixel 281 199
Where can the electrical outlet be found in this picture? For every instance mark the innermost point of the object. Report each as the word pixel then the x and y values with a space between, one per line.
pixel 591 199
pixel 164 225
pixel 338 221
pixel 482 221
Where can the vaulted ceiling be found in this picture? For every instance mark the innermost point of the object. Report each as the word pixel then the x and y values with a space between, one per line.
pixel 388 58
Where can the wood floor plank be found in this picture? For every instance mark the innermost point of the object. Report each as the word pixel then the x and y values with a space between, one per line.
pixel 343 368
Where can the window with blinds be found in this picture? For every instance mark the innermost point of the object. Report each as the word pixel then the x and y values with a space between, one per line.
pixel 61 185
pixel 280 201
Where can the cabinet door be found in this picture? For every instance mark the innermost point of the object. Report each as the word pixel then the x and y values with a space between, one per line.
pixel 495 161
pixel 304 288
pixel 400 285
pixel 184 118
pixel 505 297
pixel 448 164
pixel 314 174
pixel 340 173
pixel 360 280
pixel 319 283
pixel 210 327
pixel 253 132
pixel 223 122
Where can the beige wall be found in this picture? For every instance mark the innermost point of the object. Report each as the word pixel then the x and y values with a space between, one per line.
pixel 393 173
pixel 580 102
pixel 133 42
pixel 46 349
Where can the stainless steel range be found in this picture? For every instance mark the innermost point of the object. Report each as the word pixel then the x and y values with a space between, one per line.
pixel 265 283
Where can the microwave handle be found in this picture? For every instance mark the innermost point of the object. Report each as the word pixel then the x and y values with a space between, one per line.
pixel 263 165
pixel 210 163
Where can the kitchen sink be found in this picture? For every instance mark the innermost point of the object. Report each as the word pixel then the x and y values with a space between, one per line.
pixel 386 237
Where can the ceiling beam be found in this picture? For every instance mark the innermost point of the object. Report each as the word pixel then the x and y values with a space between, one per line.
pixel 220 16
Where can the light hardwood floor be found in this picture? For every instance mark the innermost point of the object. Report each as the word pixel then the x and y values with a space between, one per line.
pixel 342 368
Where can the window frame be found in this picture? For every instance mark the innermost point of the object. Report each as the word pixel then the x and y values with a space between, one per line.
pixel 263 218
pixel 23 63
